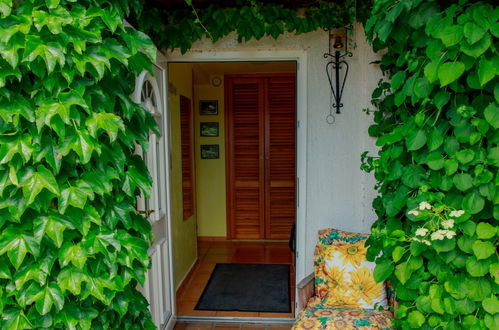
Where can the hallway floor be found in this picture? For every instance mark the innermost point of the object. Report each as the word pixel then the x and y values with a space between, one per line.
pixel 211 253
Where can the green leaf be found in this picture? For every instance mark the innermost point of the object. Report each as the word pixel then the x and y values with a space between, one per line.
pixel 15 320
pixel 478 48
pixel 486 70
pixel 6 7
pixel 485 230
pixel 491 113
pixel 383 270
pixel 431 71
pixel 96 286
pixel 414 176
pixel 422 88
pixel 10 111
pixel 473 32
pixel 72 253
pixel 53 226
pixel 52 3
pixel 108 122
pixel 397 253
pixel 75 196
pixel 398 79
pixel 39 180
pixel 416 140
pixel 473 202
pixel 491 305
pixel 435 161
pixel 450 166
pixel 416 319
pixel 50 295
pixel 477 268
pixel 51 52
pixel 463 181
pixel 403 272
pixel 449 72
pixel 441 99
pixel 70 279
pixel 465 156
pixel 81 143
pixel 478 288
pixel 451 34
pixel 465 306
pixel 483 250
pixel 17 144
pixel 17 244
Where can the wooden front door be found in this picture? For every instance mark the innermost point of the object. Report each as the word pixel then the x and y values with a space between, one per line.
pixel 261 155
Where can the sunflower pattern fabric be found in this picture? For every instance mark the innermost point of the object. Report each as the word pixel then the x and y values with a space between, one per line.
pixel 349 277
pixel 320 316
pixel 346 295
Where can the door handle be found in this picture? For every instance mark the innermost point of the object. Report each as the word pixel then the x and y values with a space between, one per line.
pixel 145 212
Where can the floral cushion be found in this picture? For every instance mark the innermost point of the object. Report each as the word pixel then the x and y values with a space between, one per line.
pixel 350 277
pixel 330 237
pixel 319 315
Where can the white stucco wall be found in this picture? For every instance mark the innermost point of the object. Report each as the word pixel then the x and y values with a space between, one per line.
pixel 338 193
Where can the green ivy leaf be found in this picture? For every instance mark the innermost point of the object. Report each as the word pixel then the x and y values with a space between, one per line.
pixel 75 196
pixel 491 305
pixel 449 72
pixel 465 156
pixel 53 226
pixel 81 143
pixel 483 250
pixel 5 7
pixel 478 48
pixel 46 297
pixel 491 113
pixel 70 279
pixel 108 122
pixel 72 253
pixel 52 3
pixel 16 320
pixel 398 79
pixel 17 144
pixel 16 243
pixel 39 180
pixel 435 161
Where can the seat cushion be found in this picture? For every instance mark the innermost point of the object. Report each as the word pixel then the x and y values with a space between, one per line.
pixel 320 315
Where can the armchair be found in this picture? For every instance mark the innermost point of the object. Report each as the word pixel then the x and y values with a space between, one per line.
pixel 346 295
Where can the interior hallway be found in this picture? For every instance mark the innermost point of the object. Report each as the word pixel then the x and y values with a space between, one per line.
pixel 211 253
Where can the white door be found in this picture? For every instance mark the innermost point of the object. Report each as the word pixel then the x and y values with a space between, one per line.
pixel 150 91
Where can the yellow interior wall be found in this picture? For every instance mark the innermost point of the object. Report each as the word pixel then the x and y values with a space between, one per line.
pixel 210 173
pixel 184 236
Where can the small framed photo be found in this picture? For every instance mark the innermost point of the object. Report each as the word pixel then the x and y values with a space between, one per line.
pixel 210 151
pixel 208 129
pixel 208 107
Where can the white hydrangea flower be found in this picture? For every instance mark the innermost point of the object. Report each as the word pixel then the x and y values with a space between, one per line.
pixel 449 234
pixel 448 224
pixel 413 212
pixel 427 242
pixel 416 239
pixel 424 206
pixel 421 231
pixel 456 213
pixel 438 235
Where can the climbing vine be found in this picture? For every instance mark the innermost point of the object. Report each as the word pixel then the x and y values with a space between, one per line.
pixel 436 124
pixel 72 248
pixel 180 28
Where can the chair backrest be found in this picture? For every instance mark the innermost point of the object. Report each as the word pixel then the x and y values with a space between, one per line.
pixel 343 275
pixel 330 236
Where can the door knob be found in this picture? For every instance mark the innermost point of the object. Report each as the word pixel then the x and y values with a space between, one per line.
pixel 145 212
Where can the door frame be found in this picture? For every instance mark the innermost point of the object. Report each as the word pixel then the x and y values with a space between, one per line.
pixel 300 56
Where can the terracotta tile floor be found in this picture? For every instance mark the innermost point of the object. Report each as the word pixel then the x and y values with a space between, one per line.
pixel 227 326
pixel 211 253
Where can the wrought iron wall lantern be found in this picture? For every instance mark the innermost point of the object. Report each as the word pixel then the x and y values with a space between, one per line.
pixel 338 50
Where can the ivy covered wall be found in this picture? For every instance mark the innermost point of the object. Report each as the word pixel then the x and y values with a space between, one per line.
pixel 72 247
pixel 437 175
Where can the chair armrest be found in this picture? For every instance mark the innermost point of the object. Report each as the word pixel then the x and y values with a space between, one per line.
pixel 305 291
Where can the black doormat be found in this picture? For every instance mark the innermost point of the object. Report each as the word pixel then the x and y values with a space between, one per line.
pixel 247 288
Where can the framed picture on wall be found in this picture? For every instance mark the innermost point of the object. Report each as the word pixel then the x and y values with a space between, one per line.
pixel 208 107
pixel 210 151
pixel 209 129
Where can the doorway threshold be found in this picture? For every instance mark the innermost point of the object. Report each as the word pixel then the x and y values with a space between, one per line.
pixel 233 319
